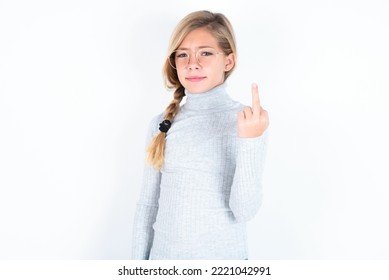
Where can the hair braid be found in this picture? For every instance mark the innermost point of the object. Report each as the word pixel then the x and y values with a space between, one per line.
pixel 156 149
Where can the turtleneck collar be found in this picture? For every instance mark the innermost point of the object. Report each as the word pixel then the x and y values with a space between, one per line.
pixel 212 100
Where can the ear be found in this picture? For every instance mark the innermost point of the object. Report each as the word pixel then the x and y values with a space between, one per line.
pixel 229 62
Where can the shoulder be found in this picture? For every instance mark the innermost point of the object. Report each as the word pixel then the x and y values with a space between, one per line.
pixel 153 127
pixel 155 120
pixel 239 105
pixel 235 107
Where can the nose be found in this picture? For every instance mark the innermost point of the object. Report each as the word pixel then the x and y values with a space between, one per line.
pixel 193 62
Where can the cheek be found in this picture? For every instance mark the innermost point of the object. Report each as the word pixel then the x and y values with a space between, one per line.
pixel 221 65
pixel 181 75
pixel 219 71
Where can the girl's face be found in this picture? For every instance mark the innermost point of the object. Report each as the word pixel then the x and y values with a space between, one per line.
pixel 198 77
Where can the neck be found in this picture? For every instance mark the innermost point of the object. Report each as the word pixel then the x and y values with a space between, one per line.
pixel 214 99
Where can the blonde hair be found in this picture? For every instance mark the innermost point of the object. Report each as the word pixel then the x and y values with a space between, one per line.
pixel 220 27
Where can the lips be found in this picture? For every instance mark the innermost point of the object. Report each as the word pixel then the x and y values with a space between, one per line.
pixel 195 78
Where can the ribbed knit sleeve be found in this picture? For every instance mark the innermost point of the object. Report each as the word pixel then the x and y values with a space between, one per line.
pixel 246 190
pixel 147 206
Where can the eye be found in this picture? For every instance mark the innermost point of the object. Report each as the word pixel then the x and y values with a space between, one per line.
pixel 181 55
pixel 206 53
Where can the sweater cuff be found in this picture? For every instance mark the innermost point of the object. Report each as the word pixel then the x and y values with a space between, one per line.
pixel 252 150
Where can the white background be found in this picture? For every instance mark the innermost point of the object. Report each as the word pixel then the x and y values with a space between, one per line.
pixel 80 81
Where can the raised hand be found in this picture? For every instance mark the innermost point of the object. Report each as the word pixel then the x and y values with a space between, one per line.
pixel 253 121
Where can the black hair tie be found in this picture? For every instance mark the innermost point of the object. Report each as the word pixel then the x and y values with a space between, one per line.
pixel 165 125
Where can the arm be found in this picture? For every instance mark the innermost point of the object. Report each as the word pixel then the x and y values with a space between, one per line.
pixel 147 206
pixel 246 190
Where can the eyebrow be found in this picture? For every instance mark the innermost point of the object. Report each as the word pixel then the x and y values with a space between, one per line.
pixel 200 47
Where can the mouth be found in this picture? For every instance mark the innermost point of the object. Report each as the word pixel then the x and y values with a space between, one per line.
pixel 195 78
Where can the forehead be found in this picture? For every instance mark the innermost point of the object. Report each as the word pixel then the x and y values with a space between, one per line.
pixel 199 37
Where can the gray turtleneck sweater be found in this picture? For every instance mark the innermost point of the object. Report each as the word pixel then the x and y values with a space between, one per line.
pixel 197 205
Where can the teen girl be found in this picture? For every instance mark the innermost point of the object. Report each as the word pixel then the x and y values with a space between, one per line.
pixel 206 157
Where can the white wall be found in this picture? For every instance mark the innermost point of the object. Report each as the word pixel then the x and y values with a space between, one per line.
pixel 80 80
